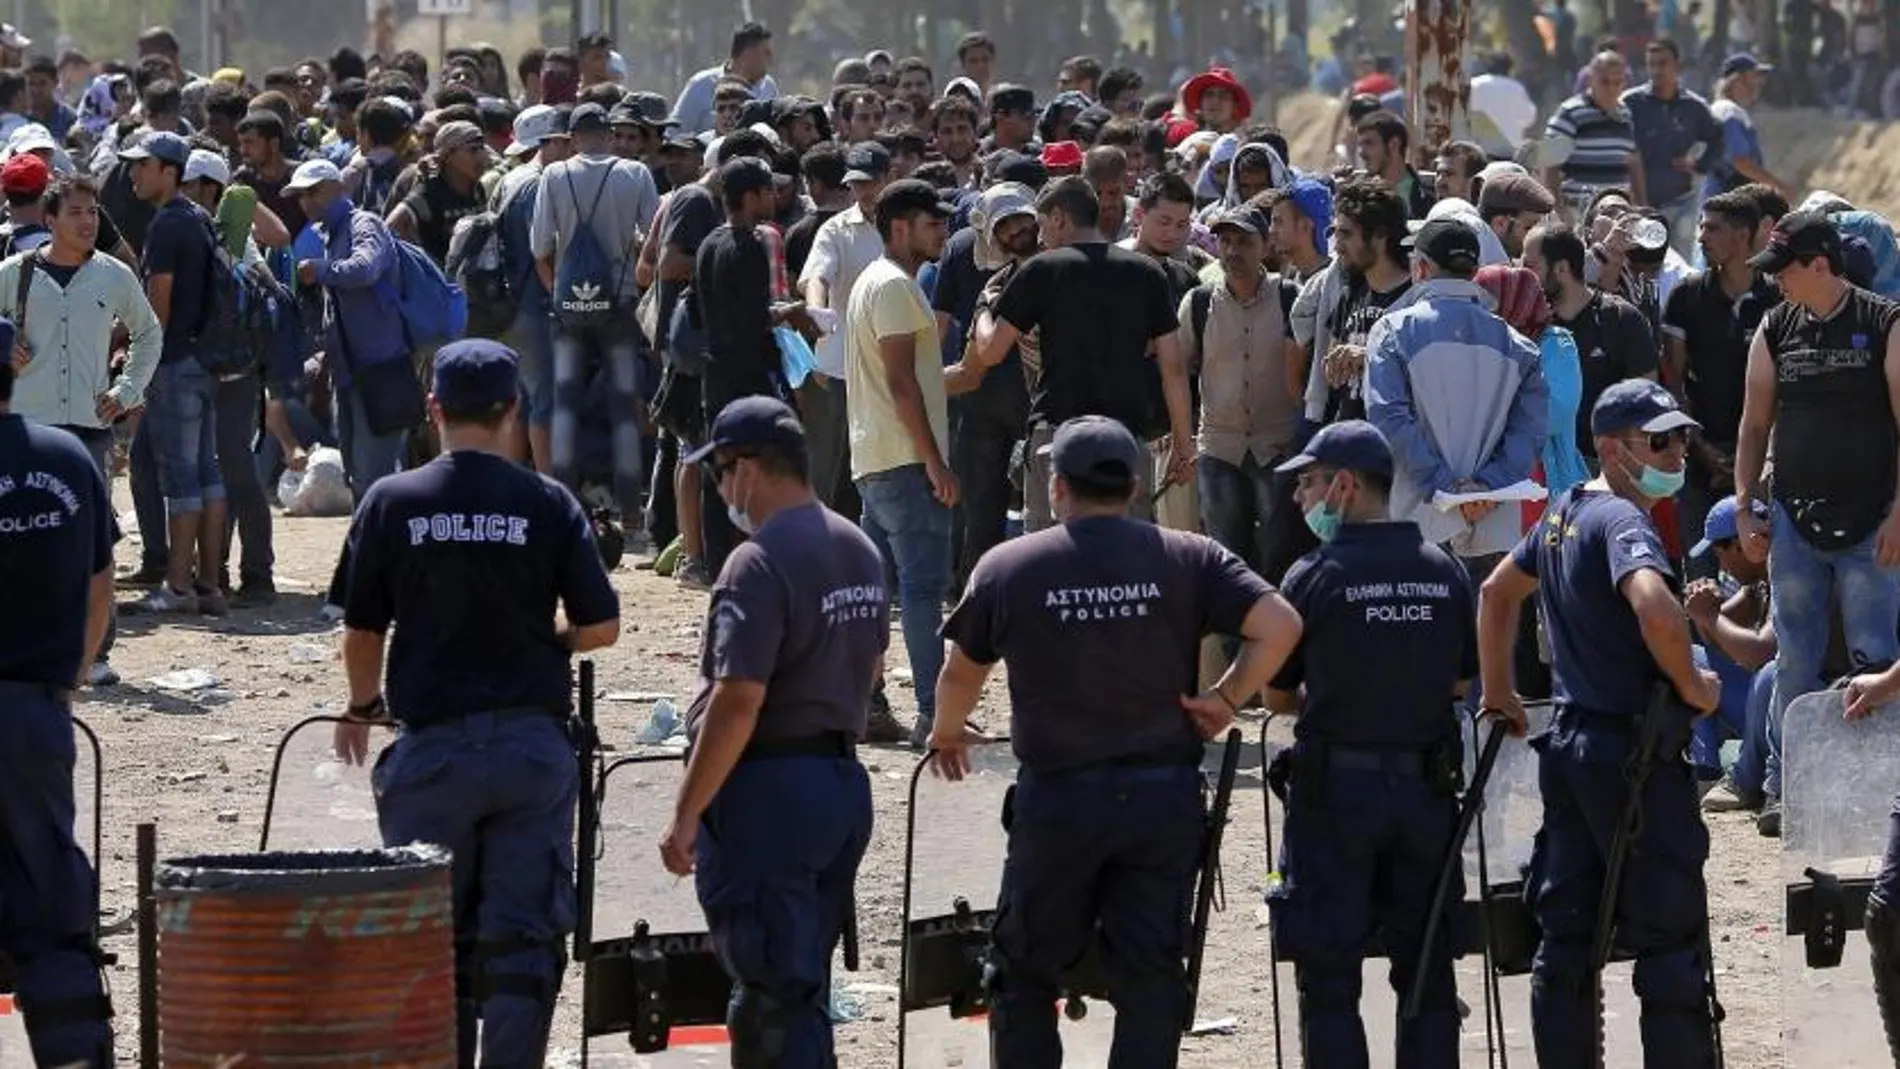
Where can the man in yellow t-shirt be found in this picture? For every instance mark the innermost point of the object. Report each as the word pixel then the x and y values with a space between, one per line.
pixel 899 423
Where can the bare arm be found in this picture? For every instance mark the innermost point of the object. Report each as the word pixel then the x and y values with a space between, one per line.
pixel 363 664
pixel 1175 390
pixel 675 266
pixel 1747 647
pixel 269 229
pixel 898 355
pixel 1267 638
pixel 402 222
pixel 98 615
pixel 1637 189
pixel 1665 630
pixel 1499 601
pixel 590 637
pixel 1675 365
pixel 959 688
pixel 158 290
pixel 1758 420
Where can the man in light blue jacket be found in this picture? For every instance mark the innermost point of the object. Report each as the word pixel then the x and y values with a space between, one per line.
pixel 1460 396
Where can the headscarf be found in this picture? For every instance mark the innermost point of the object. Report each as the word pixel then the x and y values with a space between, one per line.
pixel 1519 295
pixel 1224 150
pixel 97 107
pixel 1280 176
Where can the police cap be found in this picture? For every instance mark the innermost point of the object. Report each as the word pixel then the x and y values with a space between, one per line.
pixel 1097 450
pixel 752 423
pixel 1350 445
pixel 475 377
pixel 1637 405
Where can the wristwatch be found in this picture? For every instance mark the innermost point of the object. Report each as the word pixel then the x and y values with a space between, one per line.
pixel 374 709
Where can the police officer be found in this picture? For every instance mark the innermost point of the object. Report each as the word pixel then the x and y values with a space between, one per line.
pixel 56 536
pixel 469 556
pixel 1866 693
pixel 795 636
pixel 1616 626
pixel 1100 621
pixel 1387 646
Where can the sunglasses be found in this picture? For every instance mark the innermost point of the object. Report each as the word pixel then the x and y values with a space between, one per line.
pixel 1660 443
pixel 725 467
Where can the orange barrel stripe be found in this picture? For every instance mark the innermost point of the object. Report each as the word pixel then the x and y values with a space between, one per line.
pixel 344 958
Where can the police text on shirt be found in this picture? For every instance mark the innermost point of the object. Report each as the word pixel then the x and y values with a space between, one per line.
pixel 461 527
pixel 1399 602
pixel 1121 602
pixel 38 521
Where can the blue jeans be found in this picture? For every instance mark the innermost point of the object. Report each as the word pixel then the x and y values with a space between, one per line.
pixel 367 456
pixel 912 530
pixel 1744 714
pixel 1803 578
pixel 775 863
pixel 580 356
pixel 532 337
pixel 499 793
pixel 181 415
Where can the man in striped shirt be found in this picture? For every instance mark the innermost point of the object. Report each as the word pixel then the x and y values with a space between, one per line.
pixel 1603 141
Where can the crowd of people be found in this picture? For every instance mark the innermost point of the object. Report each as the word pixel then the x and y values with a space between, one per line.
pixel 996 312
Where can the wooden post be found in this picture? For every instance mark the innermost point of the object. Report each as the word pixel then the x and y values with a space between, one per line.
pixel 1435 32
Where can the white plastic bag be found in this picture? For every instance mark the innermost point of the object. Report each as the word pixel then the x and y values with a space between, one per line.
pixel 321 489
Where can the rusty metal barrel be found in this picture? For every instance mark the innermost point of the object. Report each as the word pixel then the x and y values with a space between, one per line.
pixel 334 958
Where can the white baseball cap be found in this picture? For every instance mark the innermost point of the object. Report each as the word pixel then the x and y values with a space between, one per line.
pixel 31 137
pixel 207 164
pixel 533 127
pixel 312 173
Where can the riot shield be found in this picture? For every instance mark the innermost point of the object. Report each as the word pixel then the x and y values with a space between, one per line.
pixel 953 872
pixel 315 800
pixel 88 792
pixel 1837 784
pixel 650 972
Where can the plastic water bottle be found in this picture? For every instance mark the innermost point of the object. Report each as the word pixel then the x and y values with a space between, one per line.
pixel 661 726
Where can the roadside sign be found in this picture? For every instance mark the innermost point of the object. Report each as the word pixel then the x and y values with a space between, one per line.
pixel 445 7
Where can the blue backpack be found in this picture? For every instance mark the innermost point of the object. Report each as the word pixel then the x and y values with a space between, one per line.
pixel 586 282
pixel 434 310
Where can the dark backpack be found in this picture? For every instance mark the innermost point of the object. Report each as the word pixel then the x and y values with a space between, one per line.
pixel 378 182
pixel 475 264
pixel 587 281
pixel 240 315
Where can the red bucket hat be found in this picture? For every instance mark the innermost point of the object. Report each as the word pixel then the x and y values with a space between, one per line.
pixel 1217 78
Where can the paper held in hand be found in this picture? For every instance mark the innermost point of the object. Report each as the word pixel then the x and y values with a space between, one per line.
pixel 1522 490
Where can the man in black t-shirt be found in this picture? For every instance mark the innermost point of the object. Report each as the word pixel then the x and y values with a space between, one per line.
pixel 1707 325
pixel 1101 314
pixel 56 535
pixel 266 168
pixel 450 188
pixel 180 422
pixel 1100 621
pixel 1614 341
pixel 1822 381
pixel 467 558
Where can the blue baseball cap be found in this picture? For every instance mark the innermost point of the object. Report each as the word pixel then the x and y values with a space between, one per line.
pixel 749 423
pixel 1720 524
pixel 1096 449
pixel 1638 405
pixel 475 377
pixel 1349 445
pixel 160 145
pixel 1314 201
pixel 1744 63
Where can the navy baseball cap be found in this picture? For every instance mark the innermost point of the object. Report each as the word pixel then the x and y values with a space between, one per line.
pixel 866 161
pixel 1720 524
pixel 475 377
pixel 160 145
pixel 589 118
pixel 1744 63
pixel 1096 449
pixel 1638 405
pixel 1350 445
pixel 1449 244
pixel 749 423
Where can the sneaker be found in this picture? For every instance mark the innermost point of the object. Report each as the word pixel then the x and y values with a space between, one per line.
pixel 255 595
pixel 691 574
pixel 102 674
pixel 1726 797
pixel 161 600
pixel 1768 821
pixel 920 735
pixel 145 576
pixel 212 602
pixel 330 613
pixel 881 727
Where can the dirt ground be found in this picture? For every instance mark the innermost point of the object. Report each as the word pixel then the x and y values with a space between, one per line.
pixel 197 763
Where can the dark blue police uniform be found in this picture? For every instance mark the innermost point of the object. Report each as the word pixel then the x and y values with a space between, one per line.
pixel 1602 675
pixel 1389 631
pixel 1100 622
pixel 468 556
pixel 802 609
pixel 56 534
